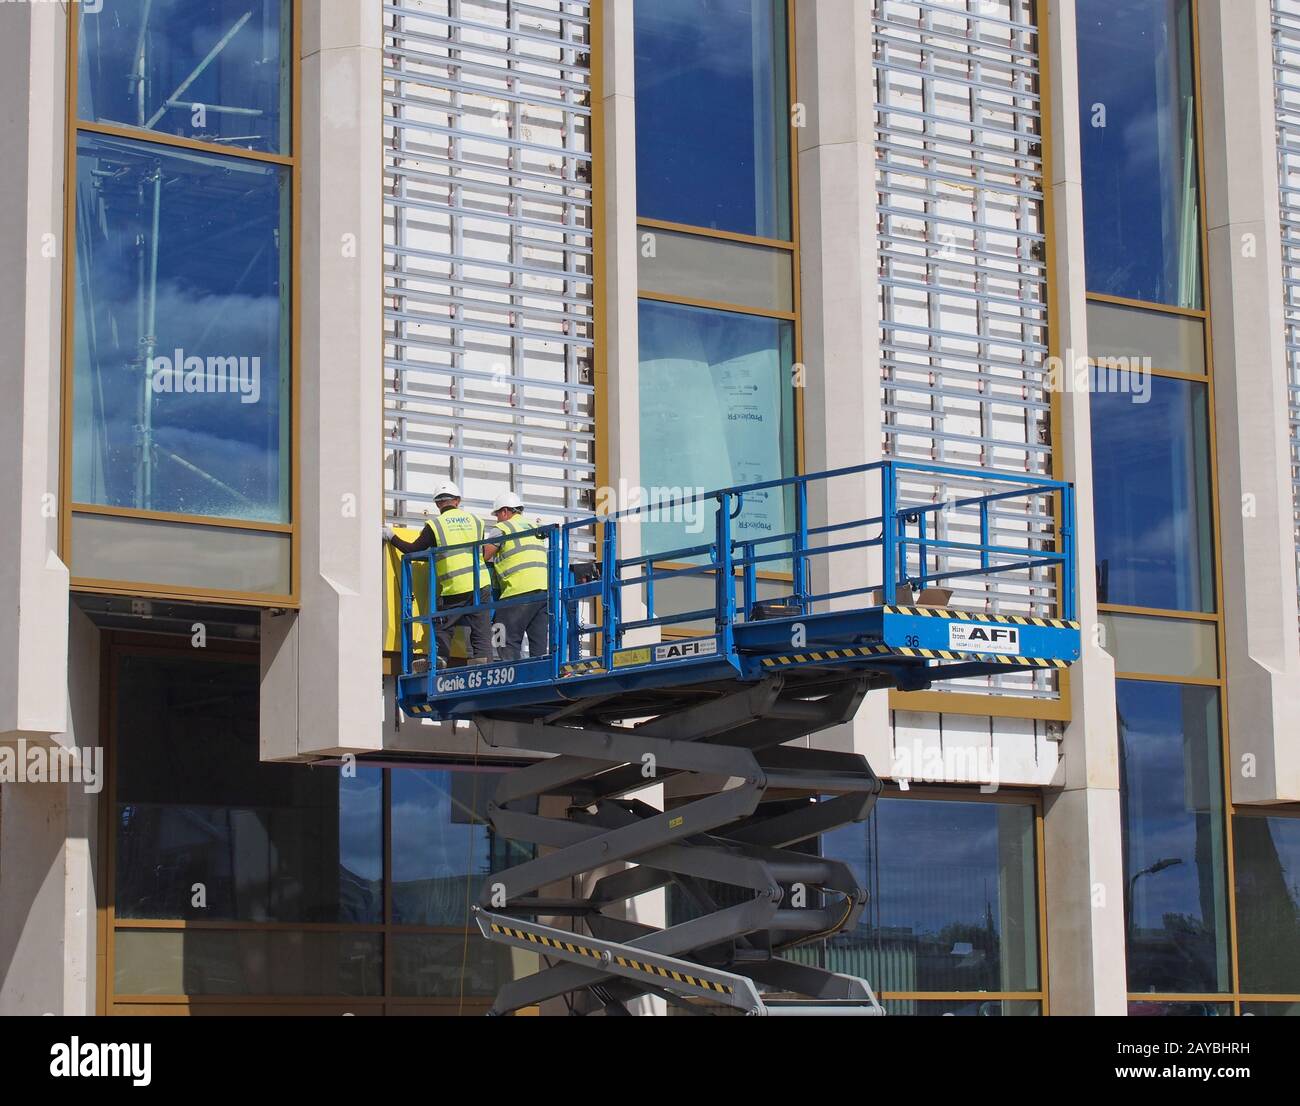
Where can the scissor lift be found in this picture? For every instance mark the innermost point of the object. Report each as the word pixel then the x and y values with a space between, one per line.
pixel 804 622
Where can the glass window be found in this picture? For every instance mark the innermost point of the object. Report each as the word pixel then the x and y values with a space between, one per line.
pixel 207 831
pixel 1270 1009
pixel 210 70
pixel 1179 1010
pixel 974 1007
pixel 1150 463
pixel 1162 646
pixel 712 114
pixel 1268 903
pixel 1137 113
pixel 953 902
pixel 717 411
pixel 247 962
pixel 1170 341
pixel 716 270
pixel 219 558
pixel 1175 864
pixel 443 846
pixel 181 378
pixel 447 965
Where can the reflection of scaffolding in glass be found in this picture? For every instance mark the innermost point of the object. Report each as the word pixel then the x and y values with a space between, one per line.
pixel 489 250
pixel 963 273
pixel 147 179
pixel 1286 84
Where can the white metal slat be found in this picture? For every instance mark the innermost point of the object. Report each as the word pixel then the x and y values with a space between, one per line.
pixel 488 254
pixel 962 264
pixel 1286 87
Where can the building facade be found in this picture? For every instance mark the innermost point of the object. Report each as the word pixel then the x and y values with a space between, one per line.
pixel 281 267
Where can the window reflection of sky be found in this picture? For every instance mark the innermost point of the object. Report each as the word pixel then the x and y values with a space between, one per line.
pixel 1172 792
pixel 1139 186
pixel 226 53
pixel 925 846
pixel 219 292
pixel 711 129
pixel 1152 510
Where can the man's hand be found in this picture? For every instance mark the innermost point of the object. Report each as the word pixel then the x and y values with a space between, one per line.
pixel 388 532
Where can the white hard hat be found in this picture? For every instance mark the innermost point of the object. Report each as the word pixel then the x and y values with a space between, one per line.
pixel 446 490
pixel 507 501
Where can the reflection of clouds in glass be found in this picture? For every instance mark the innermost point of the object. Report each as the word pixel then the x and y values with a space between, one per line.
pixel 938 864
pixel 361 823
pixel 1157 754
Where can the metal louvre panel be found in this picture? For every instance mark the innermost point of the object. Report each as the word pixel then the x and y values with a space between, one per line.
pixel 488 255
pixel 963 275
pixel 1286 88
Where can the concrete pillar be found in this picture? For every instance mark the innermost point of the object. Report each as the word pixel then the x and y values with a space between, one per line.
pixel 33 581
pixel 1250 386
pixel 841 316
pixel 49 842
pixel 1083 851
pixel 322 667
pixel 618 376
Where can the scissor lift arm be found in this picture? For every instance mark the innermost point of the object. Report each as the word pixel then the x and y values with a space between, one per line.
pixel 715 840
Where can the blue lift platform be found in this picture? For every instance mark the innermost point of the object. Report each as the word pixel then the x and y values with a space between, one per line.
pixel 798 598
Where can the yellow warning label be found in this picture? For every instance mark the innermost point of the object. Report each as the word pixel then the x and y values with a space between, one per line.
pixel 625 657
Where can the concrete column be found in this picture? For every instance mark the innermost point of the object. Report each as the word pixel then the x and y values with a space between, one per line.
pixel 33 581
pixel 1083 851
pixel 618 389
pixel 48 848
pixel 618 376
pixel 1250 386
pixel 322 670
pixel 841 316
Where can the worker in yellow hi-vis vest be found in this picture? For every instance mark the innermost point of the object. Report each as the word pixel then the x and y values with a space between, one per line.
pixel 455 571
pixel 519 560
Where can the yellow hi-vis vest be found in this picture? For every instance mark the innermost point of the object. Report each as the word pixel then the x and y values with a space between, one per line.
pixel 456 569
pixel 520 562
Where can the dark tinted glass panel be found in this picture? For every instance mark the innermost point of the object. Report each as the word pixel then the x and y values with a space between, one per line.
pixel 1175 863
pixel 1137 114
pixel 195 806
pixel 1268 903
pixel 442 845
pixel 953 901
pixel 246 962
pixel 1179 1010
pixel 180 395
pixel 449 965
pixel 1150 449
pixel 1270 1009
pixel 717 410
pixel 712 106
pixel 967 1008
pixel 209 70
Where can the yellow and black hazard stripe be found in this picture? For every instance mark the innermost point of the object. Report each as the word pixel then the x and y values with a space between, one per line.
pixel 828 655
pixel 547 942
pixel 579 667
pixel 971 616
pixel 916 654
pixel 622 961
pixel 680 977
